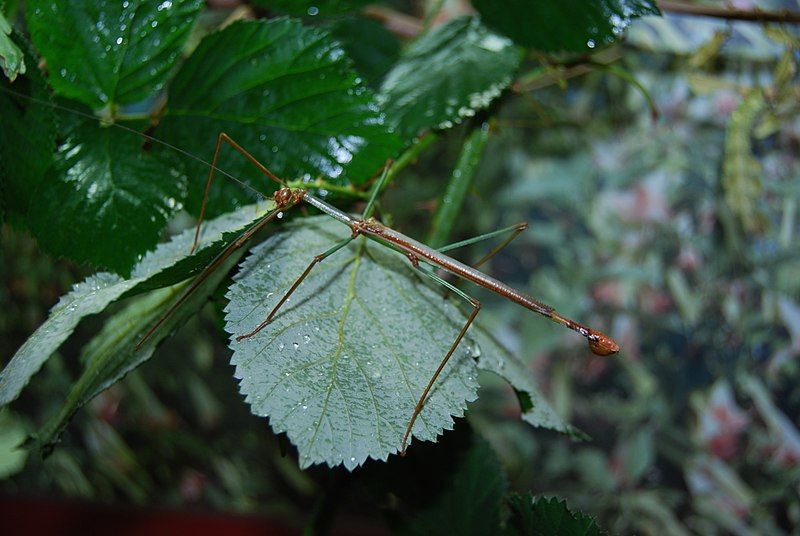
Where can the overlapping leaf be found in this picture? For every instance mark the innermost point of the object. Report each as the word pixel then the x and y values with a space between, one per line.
pixel 563 25
pixel 287 94
pixel 113 352
pixel 105 201
pixel 447 75
pixel 110 53
pixel 535 408
pixel 342 365
pixel 167 265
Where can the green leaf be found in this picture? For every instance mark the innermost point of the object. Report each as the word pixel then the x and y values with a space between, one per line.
pixel 112 353
pixel 565 25
pixel 372 47
pixel 27 140
pixel 287 94
pixel 105 201
pixel 548 517
pixel 471 503
pixel 110 53
pixel 446 75
pixel 11 57
pixel 167 265
pixel 312 8
pixel 343 364
pixel 535 408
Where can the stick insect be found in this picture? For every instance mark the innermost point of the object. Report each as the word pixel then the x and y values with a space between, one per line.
pixel 369 227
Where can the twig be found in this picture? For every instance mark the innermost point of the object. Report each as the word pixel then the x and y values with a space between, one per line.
pixel 752 15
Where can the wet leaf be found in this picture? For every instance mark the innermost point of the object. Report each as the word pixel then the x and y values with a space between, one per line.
pixel 112 353
pixel 566 25
pixel 284 92
pixel 110 53
pixel 105 201
pixel 342 365
pixel 545 516
pixel 446 75
pixel 167 265
pixel 372 47
pixel 471 502
pixel 11 57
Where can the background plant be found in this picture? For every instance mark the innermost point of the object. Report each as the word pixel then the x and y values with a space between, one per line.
pixel 680 230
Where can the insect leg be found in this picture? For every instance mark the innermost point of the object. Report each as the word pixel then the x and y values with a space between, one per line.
pixel 213 169
pixel 515 229
pixel 318 259
pixel 476 305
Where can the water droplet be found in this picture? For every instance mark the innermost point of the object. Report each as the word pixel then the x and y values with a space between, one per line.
pixel 352 458
pixel 154 24
pixel 305 407
pixel 296 345
pixel 280 346
pixel 280 215
pixel 306 339
pixel 313 10
pixel 590 43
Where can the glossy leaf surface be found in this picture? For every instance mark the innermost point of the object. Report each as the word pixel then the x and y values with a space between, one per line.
pixel 446 75
pixel 110 53
pixel 105 201
pixel 287 94
pixel 564 25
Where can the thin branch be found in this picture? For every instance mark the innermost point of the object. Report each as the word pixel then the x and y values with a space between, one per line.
pixel 752 15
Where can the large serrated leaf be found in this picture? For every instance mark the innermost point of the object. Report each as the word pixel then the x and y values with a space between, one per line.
pixel 105 201
pixel 12 59
pixel 167 265
pixel 284 92
pixel 447 75
pixel 342 365
pixel 113 352
pixel 563 25
pixel 110 53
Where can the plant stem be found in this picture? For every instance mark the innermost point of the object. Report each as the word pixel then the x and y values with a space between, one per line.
pixel 457 187
pixel 752 15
